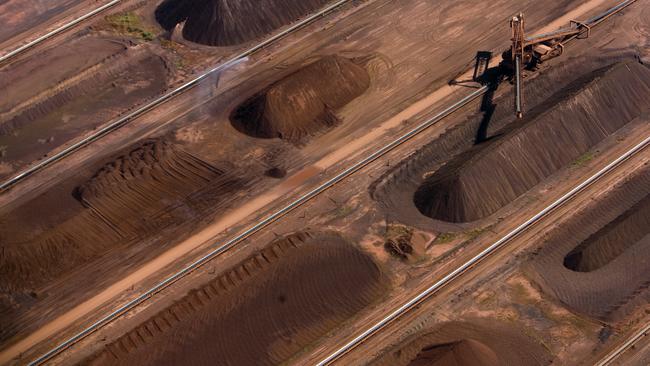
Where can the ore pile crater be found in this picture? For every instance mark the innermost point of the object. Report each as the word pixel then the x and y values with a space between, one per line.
pixel 596 263
pixel 302 103
pixel 612 240
pixel 260 312
pixel 231 22
pixel 480 342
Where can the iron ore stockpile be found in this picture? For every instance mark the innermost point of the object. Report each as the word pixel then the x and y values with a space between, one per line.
pixel 178 205
pixel 230 22
pixel 274 300
pixel 487 177
pixel 121 202
pixel 315 92
pixel 584 106
pixel 600 269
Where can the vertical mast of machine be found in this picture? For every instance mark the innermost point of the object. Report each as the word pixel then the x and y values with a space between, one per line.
pixel 518 44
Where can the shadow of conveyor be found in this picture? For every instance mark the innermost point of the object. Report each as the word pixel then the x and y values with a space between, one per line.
pixel 492 78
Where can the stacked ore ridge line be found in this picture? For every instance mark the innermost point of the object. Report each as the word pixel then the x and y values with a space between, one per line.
pixel 302 103
pixel 259 312
pixel 481 181
pixel 231 22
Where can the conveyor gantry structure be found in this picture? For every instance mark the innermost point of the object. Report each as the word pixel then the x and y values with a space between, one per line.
pixel 528 52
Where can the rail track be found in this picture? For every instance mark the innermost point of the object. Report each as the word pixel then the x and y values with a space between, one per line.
pixel 459 271
pixel 629 343
pixel 121 121
pixel 56 31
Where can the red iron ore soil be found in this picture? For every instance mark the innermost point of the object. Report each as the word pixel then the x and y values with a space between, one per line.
pixel 261 312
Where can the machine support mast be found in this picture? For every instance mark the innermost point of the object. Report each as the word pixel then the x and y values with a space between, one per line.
pixel 517 51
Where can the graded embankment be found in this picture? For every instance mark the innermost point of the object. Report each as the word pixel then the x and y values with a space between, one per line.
pixel 231 22
pixel 479 342
pixel 261 312
pixel 481 181
pixel 302 103
pixel 596 263
pixel 130 197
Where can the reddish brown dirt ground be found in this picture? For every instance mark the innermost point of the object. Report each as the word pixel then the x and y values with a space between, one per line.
pixel 597 263
pixel 17 16
pixel 261 312
pixel 303 103
pixel 229 22
pixel 475 342
pixel 72 95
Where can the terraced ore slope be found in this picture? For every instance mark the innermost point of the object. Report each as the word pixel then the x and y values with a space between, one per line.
pixel 597 262
pixel 304 102
pixel 479 182
pixel 231 22
pixel 261 312
pixel 475 342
